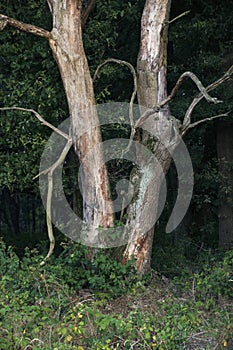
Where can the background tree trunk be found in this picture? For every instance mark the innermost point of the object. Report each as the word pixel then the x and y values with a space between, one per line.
pixel 225 156
pixel 67 47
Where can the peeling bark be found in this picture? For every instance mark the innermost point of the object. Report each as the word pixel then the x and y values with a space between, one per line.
pixel 161 131
pixel 152 57
pixel 152 89
pixel 67 47
pixel 65 40
pixel 29 28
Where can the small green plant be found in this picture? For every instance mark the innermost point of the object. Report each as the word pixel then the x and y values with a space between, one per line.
pixel 41 307
pixel 100 273
pixel 215 279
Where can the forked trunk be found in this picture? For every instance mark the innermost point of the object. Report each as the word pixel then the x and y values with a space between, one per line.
pixel 67 47
pixel 160 136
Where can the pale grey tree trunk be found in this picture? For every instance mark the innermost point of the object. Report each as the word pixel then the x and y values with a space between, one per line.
pixel 159 134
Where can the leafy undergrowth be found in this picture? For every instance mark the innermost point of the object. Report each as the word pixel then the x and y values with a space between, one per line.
pixel 70 303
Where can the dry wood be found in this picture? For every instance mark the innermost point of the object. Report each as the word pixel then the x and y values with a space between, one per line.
pixel 24 27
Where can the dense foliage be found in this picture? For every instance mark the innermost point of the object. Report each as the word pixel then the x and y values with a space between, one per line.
pixel 68 304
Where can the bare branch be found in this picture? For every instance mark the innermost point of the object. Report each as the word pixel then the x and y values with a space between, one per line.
pixel 224 78
pixel 173 93
pixel 146 115
pixel 3 23
pixel 49 172
pixel 24 27
pixel 199 85
pixel 203 121
pixel 58 162
pixel 179 16
pixel 204 93
pixel 48 220
pixel 131 118
pixel 196 100
pixel 39 117
pixel 87 11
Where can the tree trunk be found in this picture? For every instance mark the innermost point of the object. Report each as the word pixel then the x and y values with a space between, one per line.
pixel 159 133
pixel 67 46
pixel 225 156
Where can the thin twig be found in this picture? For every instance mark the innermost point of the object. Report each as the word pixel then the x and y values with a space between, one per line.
pixel 203 93
pixel 203 121
pixel 177 17
pixel 197 99
pixel 39 117
pixel 193 289
pixel 49 172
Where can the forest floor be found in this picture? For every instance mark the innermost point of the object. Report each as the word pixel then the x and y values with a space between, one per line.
pixel 63 305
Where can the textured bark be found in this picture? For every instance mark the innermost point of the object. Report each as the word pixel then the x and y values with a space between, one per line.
pixel 4 20
pixel 66 44
pixel 152 89
pixel 225 156
pixel 152 58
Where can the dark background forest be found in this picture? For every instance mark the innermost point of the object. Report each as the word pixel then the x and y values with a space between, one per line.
pixel 200 41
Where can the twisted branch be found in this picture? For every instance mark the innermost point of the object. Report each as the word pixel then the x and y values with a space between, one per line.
pixel 196 100
pixel 50 172
pixel 203 94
